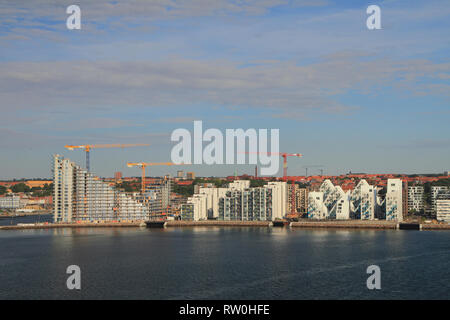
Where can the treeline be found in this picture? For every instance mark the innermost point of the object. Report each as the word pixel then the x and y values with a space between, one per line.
pixel 44 191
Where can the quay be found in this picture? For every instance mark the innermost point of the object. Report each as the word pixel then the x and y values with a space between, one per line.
pixel 344 224
pixel 218 223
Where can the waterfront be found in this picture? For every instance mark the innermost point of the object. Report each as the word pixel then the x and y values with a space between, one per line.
pixel 13 220
pixel 224 263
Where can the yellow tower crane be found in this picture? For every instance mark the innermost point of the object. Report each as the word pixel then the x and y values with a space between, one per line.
pixel 88 147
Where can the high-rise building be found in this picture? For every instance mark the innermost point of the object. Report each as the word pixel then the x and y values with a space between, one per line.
pixel 157 196
pixel 416 198
pixel 394 200
pixel 180 174
pixel 279 198
pixel 443 206
pixel 81 196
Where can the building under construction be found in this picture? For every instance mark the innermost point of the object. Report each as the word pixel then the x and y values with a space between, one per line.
pixel 80 196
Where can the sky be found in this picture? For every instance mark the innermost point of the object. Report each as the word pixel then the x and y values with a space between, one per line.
pixel 346 97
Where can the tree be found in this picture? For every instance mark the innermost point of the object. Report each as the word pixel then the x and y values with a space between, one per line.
pixel 2 190
pixel 20 187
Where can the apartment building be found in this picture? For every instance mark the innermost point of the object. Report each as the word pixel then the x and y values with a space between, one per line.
pixel 252 204
pixel 81 196
pixel 435 191
pixel 316 206
pixel 443 206
pixel 363 201
pixel 297 198
pixel 195 209
pixel 237 202
pixel 416 198
pixel 332 202
pixel 394 200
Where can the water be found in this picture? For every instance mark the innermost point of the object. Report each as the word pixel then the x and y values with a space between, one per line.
pixel 38 218
pixel 224 263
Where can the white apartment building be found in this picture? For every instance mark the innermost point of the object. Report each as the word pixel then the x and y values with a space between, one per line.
pixel 394 200
pixel 279 198
pixel 196 208
pixel 238 202
pixel 212 200
pixel 316 206
pixel 364 201
pixel 416 198
pixel 435 190
pixel 443 207
pixel 81 196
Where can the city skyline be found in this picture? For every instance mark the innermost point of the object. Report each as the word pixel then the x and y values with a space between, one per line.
pixel 348 98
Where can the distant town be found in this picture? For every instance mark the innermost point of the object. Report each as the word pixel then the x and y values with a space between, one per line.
pixel 76 195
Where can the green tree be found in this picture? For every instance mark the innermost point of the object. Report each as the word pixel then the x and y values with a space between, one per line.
pixel 20 187
pixel 2 190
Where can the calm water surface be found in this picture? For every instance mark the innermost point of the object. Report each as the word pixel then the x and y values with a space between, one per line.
pixel 7 221
pixel 224 263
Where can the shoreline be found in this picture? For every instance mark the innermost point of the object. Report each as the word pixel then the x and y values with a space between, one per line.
pixel 380 225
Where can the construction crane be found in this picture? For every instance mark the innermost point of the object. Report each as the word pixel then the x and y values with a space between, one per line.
pixel 88 147
pixel 284 155
pixel 313 166
pixel 143 165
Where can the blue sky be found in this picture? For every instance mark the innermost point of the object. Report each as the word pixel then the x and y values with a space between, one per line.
pixel 346 97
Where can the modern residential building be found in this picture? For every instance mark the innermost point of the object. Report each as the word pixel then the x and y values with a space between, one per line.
pixel 316 206
pixel 394 200
pixel 300 200
pixel 195 209
pixel 212 200
pixel 252 204
pixel 416 198
pixel 81 196
pixel 10 201
pixel 237 202
pixel 279 198
pixel 435 191
pixel 443 207
pixel 332 202
pixel 363 201
pixel 180 174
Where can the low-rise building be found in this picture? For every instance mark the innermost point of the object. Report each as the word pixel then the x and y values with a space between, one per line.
pixel 10 201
